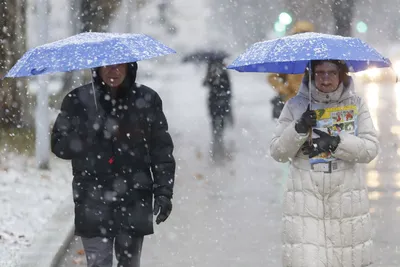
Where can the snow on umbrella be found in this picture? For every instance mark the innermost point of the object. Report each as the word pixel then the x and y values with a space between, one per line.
pixel 88 50
pixel 291 54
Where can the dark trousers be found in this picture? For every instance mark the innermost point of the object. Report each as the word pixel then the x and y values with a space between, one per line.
pixel 217 137
pixel 221 115
pixel 99 251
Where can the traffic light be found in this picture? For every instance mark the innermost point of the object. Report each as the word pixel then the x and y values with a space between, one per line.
pixel 361 27
pixel 285 18
pixel 279 27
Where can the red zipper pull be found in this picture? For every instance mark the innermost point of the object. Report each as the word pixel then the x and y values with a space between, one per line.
pixel 111 160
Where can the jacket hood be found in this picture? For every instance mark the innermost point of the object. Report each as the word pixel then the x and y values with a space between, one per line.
pixel 129 80
pixel 124 90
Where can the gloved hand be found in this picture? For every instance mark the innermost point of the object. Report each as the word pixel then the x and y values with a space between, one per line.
pixel 162 207
pixel 307 120
pixel 325 143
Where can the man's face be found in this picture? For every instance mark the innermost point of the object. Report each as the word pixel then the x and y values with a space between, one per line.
pixel 114 75
pixel 327 77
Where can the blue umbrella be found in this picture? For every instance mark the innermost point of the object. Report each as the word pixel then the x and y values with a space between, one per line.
pixel 87 50
pixel 291 54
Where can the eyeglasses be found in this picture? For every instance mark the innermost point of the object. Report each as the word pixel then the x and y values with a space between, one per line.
pixel 330 74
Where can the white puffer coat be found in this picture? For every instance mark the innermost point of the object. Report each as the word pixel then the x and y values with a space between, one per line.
pixel 326 220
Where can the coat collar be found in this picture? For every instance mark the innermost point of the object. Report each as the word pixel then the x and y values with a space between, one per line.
pixel 342 93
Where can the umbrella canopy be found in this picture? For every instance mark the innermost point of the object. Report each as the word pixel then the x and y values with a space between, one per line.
pixel 291 54
pixel 88 50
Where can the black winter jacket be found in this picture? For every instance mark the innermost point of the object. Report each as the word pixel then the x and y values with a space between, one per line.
pixel 121 154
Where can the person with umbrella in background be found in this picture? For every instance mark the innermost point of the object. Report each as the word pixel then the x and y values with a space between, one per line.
pixel 287 85
pixel 115 134
pixel 219 105
pixel 219 96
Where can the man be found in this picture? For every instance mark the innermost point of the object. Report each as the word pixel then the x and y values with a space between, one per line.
pixel 116 135
pixel 219 104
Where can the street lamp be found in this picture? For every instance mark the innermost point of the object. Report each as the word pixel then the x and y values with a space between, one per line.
pixel 279 27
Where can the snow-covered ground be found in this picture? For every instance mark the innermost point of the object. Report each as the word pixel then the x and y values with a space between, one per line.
pixel 223 214
pixel 28 199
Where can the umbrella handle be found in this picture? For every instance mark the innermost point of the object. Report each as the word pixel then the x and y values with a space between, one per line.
pixel 94 94
pixel 309 84
pixel 310 142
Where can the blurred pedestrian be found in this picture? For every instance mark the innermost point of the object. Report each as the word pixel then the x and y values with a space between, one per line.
pixel 219 105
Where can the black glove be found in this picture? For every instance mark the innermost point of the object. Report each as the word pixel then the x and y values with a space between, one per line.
pixel 162 207
pixel 325 143
pixel 308 119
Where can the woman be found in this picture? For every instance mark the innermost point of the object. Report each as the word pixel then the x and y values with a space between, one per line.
pixel 326 220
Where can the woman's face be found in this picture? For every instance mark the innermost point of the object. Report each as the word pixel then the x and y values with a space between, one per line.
pixel 327 77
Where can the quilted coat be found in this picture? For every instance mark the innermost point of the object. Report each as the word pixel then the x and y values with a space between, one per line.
pixel 326 219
